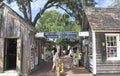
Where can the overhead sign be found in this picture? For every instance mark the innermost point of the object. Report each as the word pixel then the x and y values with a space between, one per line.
pixel 68 34
pixel 61 34
pixel 84 33
pixel 51 35
pixel 39 35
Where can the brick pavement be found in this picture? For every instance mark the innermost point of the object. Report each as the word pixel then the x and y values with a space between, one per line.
pixel 77 71
pixel 45 70
pixel 74 71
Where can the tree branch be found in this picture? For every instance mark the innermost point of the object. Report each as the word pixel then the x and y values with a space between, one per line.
pixel 70 13
pixel 22 8
pixel 42 11
pixel 29 11
pixel 66 10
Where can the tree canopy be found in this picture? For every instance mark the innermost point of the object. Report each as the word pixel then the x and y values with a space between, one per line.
pixel 54 21
pixel 116 4
pixel 71 7
pixel 50 21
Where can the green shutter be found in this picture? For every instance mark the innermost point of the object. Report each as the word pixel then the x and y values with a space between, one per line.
pixel 103 47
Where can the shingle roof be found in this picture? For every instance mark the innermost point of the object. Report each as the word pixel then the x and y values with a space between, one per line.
pixel 103 19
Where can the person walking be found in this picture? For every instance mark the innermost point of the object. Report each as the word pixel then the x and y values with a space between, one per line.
pixel 76 57
pixel 71 56
pixel 71 52
pixel 55 57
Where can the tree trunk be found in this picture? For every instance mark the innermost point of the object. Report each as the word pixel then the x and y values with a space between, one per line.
pixel 29 11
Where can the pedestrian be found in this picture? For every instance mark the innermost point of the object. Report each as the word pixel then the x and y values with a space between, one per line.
pixel 71 56
pixel 71 52
pixel 76 57
pixel 64 51
pixel 55 57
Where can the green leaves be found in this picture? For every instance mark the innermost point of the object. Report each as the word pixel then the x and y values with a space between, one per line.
pixel 116 4
pixel 50 21
pixel 54 21
pixel 1 0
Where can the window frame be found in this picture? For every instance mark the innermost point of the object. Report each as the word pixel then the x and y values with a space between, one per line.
pixel 117 46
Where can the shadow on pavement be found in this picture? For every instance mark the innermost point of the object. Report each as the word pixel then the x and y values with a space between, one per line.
pixel 44 70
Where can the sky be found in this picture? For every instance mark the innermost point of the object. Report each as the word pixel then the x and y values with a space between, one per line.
pixel 38 4
pixel 104 3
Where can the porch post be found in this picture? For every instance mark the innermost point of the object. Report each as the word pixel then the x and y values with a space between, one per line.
pixel 1 55
pixel 94 52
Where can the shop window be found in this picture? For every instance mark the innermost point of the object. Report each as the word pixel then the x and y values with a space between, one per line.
pixel 111 46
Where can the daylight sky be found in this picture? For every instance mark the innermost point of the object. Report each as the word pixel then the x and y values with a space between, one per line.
pixel 36 6
pixel 40 3
pixel 104 3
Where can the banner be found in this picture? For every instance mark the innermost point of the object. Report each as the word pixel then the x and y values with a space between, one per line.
pixel 61 34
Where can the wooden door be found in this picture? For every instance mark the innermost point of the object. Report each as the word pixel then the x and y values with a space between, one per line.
pixel 10 53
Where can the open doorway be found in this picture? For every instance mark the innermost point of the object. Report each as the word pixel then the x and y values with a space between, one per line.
pixel 10 54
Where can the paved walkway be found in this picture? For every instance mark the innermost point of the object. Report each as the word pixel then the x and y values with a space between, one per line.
pixel 80 71
pixel 74 71
pixel 9 73
pixel 45 70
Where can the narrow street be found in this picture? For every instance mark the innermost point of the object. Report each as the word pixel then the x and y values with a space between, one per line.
pixel 45 70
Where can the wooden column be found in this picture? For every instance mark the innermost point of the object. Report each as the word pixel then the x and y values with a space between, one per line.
pixel 18 62
pixel 1 54
pixel 94 51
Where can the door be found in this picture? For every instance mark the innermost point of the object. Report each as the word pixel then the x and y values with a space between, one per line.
pixel 10 53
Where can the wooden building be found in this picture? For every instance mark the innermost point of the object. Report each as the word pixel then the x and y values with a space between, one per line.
pixel 19 50
pixel 103 25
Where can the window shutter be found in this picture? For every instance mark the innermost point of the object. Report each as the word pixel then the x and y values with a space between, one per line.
pixel 103 47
